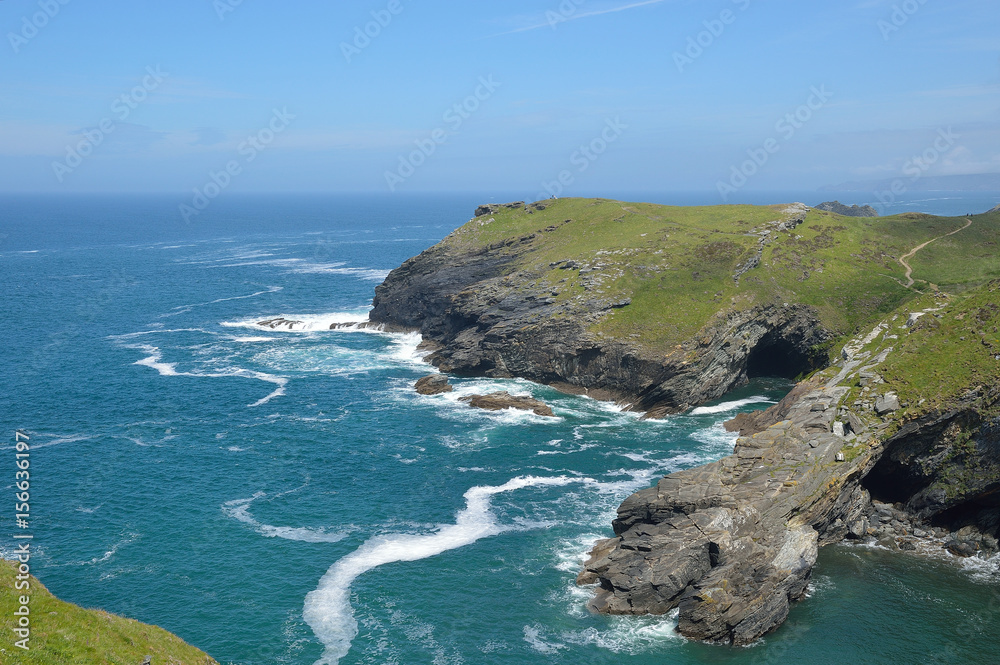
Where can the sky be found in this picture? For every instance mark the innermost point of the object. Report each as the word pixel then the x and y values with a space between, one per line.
pixel 541 97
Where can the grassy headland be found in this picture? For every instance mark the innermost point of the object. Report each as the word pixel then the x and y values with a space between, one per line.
pixel 678 265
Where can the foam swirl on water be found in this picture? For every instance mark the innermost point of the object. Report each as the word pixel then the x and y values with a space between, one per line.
pixel 328 609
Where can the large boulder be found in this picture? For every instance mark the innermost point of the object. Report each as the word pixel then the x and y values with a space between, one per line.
pixel 435 384
pixel 504 400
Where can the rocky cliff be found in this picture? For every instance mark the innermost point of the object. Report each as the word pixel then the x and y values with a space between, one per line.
pixel 856 452
pixel 897 437
pixel 658 308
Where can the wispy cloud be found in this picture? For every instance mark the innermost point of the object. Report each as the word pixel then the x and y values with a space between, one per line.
pixel 575 17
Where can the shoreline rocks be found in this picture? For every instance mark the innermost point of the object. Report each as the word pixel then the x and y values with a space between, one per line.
pixel 504 400
pixel 732 544
pixel 490 313
pixel 434 384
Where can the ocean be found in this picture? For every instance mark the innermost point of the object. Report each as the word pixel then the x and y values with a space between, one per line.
pixel 286 497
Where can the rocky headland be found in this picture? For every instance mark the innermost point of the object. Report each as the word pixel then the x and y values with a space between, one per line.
pixel 732 544
pixel 848 211
pixel 893 435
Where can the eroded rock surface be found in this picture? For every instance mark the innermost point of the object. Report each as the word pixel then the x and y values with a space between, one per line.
pixel 489 317
pixel 504 400
pixel 435 384
pixel 733 543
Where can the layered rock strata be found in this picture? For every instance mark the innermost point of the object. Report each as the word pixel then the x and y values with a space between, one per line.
pixel 732 544
pixel 486 317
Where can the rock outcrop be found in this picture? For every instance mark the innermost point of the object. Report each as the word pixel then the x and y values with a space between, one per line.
pixel 504 400
pixel 848 211
pixel 435 384
pixel 487 316
pixel 732 544
pixel 864 449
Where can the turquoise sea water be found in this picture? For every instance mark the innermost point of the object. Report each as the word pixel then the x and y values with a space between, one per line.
pixel 285 497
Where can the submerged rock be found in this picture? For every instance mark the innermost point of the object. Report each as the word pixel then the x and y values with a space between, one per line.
pixel 435 384
pixel 274 324
pixel 504 400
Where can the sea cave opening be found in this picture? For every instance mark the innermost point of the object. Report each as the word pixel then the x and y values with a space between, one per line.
pixel 889 482
pixel 778 356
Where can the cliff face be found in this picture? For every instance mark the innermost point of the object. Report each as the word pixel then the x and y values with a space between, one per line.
pixel 732 544
pixel 493 310
pixel 897 439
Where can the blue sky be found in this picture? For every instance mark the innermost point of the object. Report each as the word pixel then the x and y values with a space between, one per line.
pixel 275 81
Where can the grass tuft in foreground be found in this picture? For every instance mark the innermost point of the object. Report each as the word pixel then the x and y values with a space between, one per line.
pixel 65 634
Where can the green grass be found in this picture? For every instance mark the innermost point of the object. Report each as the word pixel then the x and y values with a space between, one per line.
pixel 64 634
pixel 948 353
pixel 677 264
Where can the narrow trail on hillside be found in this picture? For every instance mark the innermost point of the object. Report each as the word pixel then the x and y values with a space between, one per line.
pixel 903 259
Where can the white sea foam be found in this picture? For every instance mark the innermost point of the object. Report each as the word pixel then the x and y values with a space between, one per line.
pixel 155 361
pixel 532 635
pixel 58 441
pixel 630 635
pixel 982 570
pixel 296 266
pixel 239 509
pixel 159 331
pixel 126 540
pixel 367 274
pixel 716 439
pixel 730 406
pixel 328 609
pixel 460 410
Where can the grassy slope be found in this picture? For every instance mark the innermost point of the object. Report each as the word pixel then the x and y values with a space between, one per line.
pixel 676 264
pixel 949 352
pixel 64 634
